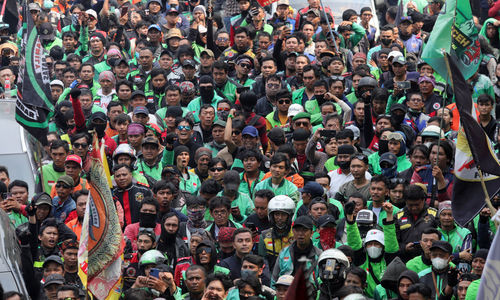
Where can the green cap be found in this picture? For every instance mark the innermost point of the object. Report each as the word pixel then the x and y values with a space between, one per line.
pixel 302 115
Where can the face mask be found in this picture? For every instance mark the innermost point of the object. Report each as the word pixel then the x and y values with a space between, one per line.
pixel 195 216
pixel 223 115
pixel 100 128
pixel 374 252
pixel 389 172
pixel 386 42
pixel 147 220
pixel 327 237
pixel 344 165
pixel 112 61
pixel 207 94
pixel 246 273
pixel 320 99
pixel 397 119
pixel 439 263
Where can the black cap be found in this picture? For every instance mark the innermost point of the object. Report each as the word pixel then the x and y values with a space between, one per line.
pixel 443 245
pixel 277 135
pixel 54 279
pixel 119 61
pixel 137 93
pixel 53 258
pixel 389 158
pixel 399 106
pixel 313 188
pixel 304 221
pixel 325 220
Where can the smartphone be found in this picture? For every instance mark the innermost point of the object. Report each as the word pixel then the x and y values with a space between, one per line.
pixel 289 25
pixel 124 11
pixel 328 133
pixel 154 272
pixel 251 226
pixel 242 89
pixel 403 85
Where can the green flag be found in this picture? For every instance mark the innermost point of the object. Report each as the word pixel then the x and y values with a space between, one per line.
pixel 454 33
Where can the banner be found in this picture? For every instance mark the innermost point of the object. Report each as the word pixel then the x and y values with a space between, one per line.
pixel 33 106
pixel 101 242
pixel 11 16
pixel 454 33
pixel 490 279
pixel 474 149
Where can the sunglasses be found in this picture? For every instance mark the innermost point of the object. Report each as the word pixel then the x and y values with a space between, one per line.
pixel 219 169
pixel 184 127
pixel 284 101
pixel 80 145
pixel 200 250
pixel 236 132
pixel 146 229
pixel 273 85
pixel 246 66
pixel 222 39
pixel 223 109
pixel 397 181
pixel 62 185
pixel 337 78
pixel 305 124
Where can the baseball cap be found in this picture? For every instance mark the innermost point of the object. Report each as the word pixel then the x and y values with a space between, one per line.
pixel 354 130
pixel 137 93
pixel 150 140
pixel 393 54
pixel 313 188
pixel 54 279
pixel 304 221
pixel 42 198
pixel 406 19
pixel 294 109
pixel 57 82
pixel 120 61
pixel 174 32
pixel 398 106
pixel 399 60
pixel 432 131
pixel 208 52
pixel 220 123
pixel 325 220
pixel 277 135
pixel 285 280
pixel 283 2
pixel 231 180
pixel 92 13
pixel 141 110
pixel 327 53
pixel 189 62
pixel 74 158
pixel 154 26
pixel 46 31
pixel 443 245
pixel 34 6
pixel 250 130
pixel 66 180
pixel 389 158
pixel 53 258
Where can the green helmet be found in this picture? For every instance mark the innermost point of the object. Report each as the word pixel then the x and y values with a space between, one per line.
pixel 151 257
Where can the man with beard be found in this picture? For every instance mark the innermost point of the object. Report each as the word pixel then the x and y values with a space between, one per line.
pixel 280 211
pixel 148 213
pixel 169 242
pixel 266 104
pixel 155 89
pixel 207 96
pixel 75 225
pixel 97 43
pixel 129 195
pixel 146 240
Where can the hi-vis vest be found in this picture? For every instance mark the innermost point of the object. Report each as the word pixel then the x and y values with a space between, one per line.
pixel 274 246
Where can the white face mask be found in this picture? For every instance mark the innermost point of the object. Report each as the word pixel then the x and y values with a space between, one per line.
pixel 439 263
pixel 374 252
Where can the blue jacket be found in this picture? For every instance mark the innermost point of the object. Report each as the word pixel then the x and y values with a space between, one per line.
pixel 62 210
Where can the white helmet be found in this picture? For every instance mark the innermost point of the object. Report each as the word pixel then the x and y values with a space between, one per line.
pixel 124 149
pixel 374 235
pixel 151 257
pixel 281 203
pixel 340 258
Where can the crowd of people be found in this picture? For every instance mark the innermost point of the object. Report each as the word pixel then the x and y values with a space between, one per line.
pixel 242 139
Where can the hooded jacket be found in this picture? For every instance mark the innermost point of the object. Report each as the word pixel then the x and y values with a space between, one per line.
pixel 388 286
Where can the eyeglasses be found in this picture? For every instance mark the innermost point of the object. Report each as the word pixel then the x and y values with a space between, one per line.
pixel 219 169
pixel 273 85
pixel 62 185
pixel 223 109
pixel 184 127
pixel 305 124
pixel 200 250
pixel 246 66
pixel 236 132
pixel 284 101
pixel 337 78
pixel 80 145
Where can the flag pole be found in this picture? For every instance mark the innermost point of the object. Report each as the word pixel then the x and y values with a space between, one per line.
pixel 329 26
pixel 486 195
pixel 3 10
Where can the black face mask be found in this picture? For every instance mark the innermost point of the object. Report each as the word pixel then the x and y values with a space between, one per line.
pixel 396 120
pixel 100 128
pixel 112 61
pixel 223 115
pixel 147 220
pixel 344 165
pixel 386 42
pixel 320 99
pixel 207 94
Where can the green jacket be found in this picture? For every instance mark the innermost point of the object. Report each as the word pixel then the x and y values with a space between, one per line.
pixel 297 96
pixel 359 33
pixel 383 213
pixel 50 176
pixel 330 164
pixel 365 263
pixel 417 264
pixel 472 290
pixel 246 187
pixel 192 184
pixel 374 161
pixel 244 203
pixel 485 25
pixel 284 188
pixel 228 90
pixel 154 171
pixel 195 105
pixel 459 238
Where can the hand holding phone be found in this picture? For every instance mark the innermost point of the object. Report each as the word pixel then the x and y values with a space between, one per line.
pixel 154 272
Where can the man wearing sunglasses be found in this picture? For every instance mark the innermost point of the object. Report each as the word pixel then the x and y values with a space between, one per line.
pixel 62 203
pixel 244 65
pixel 279 118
